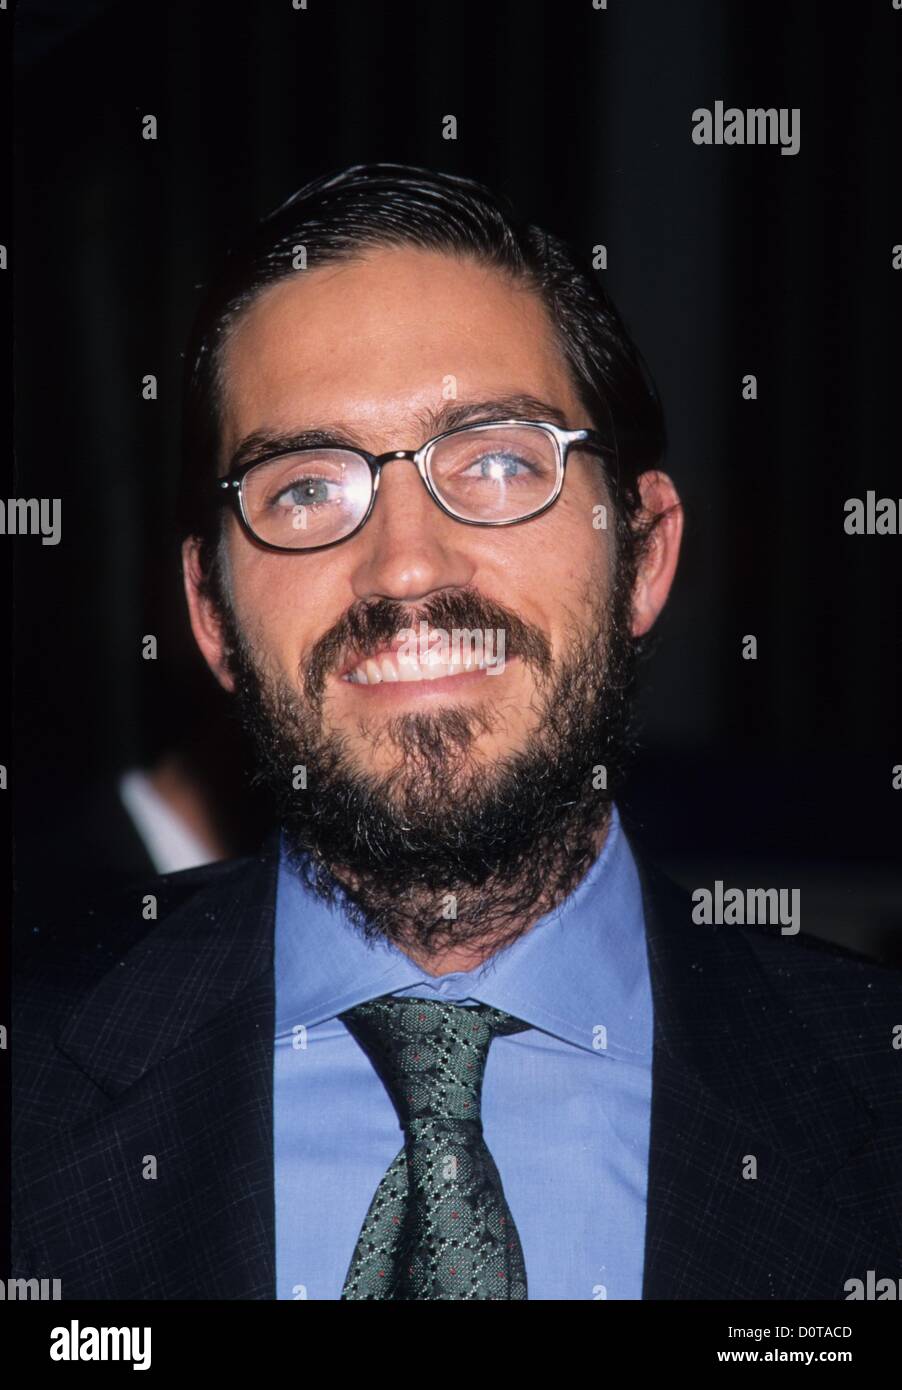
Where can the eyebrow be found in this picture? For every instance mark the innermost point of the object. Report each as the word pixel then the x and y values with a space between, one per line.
pixel 263 443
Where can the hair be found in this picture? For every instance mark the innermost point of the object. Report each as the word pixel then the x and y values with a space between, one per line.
pixel 342 215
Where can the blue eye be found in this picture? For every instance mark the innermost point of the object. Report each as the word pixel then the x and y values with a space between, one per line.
pixel 305 492
pixel 497 465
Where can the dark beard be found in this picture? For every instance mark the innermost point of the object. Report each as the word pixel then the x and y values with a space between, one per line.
pixel 447 850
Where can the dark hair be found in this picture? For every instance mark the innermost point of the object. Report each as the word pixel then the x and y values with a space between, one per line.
pixel 339 215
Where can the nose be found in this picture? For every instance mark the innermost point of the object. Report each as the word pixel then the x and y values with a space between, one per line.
pixel 409 548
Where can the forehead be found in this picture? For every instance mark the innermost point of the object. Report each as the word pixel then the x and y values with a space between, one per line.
pixel 376 340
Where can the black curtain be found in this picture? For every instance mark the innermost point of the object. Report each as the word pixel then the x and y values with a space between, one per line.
pixel 725 261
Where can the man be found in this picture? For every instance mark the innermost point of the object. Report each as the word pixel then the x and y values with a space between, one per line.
pixel 449 1037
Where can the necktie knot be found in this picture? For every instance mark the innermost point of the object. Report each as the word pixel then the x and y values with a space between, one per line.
pixel 430 1055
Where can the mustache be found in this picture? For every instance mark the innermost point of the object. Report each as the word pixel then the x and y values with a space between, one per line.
pixel 371 624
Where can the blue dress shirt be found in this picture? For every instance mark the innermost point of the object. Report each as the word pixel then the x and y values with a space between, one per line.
pixel 566 1104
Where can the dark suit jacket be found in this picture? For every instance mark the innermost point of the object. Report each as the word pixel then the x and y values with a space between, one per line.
pixel 97 851
pixel 135 1038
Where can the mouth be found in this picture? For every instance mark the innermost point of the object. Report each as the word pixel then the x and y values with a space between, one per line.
pixel 388 667
pixel 433 666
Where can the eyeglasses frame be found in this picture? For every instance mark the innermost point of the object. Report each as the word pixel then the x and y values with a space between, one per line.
pixel 229 487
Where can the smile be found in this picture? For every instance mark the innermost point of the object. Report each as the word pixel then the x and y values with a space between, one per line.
pixel 388 667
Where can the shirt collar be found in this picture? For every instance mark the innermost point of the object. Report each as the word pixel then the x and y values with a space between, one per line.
pixel 579 974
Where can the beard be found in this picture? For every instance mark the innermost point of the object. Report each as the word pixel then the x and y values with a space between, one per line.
pixel 447 849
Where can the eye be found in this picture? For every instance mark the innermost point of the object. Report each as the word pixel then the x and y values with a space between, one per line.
pixel 498 465
pixel 307 492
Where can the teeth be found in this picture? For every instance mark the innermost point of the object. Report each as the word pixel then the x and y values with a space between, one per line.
pixel 393 668
pixel 433 657
pixel 409 668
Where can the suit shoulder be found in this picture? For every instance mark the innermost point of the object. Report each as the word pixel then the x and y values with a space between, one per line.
pixel 849 1004
pixel 797 954
pixel 122 967
pixel 826 964
pixel 65 958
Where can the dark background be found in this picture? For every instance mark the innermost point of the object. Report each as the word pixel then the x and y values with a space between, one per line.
pixel 724 261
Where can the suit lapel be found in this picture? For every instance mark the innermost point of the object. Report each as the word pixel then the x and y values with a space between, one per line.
pixel 179 1036
pixel 736 1083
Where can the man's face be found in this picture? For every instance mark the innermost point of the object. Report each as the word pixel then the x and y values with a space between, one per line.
pixel 445 779
pixel 376 348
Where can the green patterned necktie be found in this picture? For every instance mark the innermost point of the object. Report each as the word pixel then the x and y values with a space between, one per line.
pixel 439 1226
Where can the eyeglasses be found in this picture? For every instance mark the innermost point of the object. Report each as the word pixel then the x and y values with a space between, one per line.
pixel 493 473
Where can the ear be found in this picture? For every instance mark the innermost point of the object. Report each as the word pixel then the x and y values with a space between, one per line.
pixel 205 623
pixel 658 566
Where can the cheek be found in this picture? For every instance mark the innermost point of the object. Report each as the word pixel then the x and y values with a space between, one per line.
pixel 561 557
pixel 585 545
pixel 280 606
